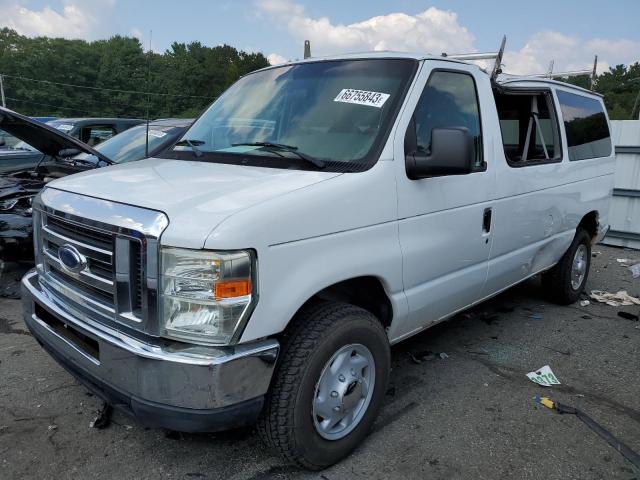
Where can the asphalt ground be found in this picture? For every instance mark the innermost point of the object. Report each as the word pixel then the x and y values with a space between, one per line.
pixel 468 414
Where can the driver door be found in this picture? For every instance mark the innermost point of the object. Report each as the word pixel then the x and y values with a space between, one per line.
pixel 445 226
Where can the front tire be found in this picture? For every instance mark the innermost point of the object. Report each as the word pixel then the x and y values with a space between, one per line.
pixel 328 387
pixel 567 279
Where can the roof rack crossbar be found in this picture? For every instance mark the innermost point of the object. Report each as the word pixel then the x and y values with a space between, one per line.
pixel 591 72
pixel 497 56
pixel 573 73
pixel 473 56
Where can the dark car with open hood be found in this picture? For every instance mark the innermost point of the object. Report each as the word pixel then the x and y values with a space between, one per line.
pixel 92 131
pixel 65 155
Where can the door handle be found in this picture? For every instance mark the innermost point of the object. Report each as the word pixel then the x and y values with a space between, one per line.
pixel 486 220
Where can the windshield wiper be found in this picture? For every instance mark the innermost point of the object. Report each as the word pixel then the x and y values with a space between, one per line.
pixel 192 144
pixel 287 148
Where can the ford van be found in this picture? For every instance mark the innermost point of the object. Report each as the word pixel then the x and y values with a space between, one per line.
pixel 314 215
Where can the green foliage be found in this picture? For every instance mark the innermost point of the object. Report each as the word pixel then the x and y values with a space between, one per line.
pixel 189 76
pixel 621 89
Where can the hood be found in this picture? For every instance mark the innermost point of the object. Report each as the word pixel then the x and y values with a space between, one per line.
pixel 41 136
pixel 196 196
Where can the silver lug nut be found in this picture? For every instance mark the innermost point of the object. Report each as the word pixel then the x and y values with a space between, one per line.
pixel 341 378
pixel 334 394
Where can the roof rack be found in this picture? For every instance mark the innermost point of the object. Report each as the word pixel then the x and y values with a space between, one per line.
pixel 497 56
pixel 572 73
pixel 497 67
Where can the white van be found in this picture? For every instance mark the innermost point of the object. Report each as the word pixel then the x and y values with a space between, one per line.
pixel 317 213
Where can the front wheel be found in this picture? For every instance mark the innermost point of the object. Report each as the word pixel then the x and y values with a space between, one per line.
pixel 328 387
pixel 566 281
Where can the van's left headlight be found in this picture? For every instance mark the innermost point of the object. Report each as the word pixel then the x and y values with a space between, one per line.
pixel 205 296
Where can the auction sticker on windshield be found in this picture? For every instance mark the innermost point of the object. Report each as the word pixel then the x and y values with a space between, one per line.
pixel 362 97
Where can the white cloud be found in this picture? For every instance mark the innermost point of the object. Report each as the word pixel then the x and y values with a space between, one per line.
pixel 77 19
pixel 276 59
pixel 569 53
pixel 436 31
pixel 136 32
pixel 432 30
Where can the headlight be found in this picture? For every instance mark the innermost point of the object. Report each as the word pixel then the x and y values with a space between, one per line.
pixel 205 295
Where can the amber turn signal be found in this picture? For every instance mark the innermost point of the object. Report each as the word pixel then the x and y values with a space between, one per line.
pixel 231 289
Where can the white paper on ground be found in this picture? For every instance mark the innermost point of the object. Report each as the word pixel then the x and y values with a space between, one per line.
pixel 543 376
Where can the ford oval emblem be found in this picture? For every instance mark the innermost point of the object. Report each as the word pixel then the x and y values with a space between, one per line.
pixel 71 259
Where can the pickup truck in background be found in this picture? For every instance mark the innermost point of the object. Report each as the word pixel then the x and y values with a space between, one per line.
pixel 315 214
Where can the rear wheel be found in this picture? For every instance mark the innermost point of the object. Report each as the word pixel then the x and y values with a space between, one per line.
pixel 328 387
pixel 566 281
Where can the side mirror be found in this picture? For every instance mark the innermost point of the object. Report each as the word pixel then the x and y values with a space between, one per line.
pixel 68 152
pixel 2 142
pixel 451 154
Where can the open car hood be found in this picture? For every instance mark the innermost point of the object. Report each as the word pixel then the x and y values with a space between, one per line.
pixel 42 137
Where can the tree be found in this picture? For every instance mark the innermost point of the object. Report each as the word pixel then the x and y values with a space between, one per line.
pixel 620 87
pixel 110 77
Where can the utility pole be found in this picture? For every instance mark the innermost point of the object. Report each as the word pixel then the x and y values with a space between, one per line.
pixel 4 104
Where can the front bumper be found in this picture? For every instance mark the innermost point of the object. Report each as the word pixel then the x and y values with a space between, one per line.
pixel 172 385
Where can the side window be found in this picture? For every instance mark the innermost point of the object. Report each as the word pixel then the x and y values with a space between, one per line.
pixel 449 100
pixel 529 127
pixel 586 125
pixel 96 134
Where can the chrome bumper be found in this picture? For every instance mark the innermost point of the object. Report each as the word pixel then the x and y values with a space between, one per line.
pixel 171 385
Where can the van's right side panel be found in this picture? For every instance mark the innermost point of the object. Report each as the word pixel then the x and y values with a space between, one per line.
pixel 538 207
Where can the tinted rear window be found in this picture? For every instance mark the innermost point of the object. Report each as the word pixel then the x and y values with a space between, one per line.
pixel 586 126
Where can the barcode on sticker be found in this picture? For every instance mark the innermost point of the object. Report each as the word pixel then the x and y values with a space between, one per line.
pixel 362 97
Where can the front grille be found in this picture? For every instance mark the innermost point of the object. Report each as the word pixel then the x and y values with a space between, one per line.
pixel 81 233
pixel 96 283
pixel 116 279
pixel 137 274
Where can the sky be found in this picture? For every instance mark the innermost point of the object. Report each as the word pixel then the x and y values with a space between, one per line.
pixel 569 32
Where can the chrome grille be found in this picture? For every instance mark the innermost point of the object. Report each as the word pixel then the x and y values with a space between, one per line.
pixel 117 282
pixel 96 281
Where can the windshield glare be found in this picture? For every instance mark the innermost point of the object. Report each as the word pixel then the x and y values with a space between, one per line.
pixel 130 145
pixel 337 111
pixel 24 146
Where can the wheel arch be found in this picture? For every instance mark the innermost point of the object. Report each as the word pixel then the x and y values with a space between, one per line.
pixel 366 291
pixel 590 223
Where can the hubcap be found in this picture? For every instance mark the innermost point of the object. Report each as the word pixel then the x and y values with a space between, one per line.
pixel 579 267
pixel 343 391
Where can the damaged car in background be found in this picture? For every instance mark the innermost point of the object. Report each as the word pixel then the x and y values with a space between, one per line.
pixel 63 155
pixel 92 131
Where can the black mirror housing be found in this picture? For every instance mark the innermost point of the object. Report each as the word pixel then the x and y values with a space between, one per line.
pixel 452 153
pixel 68 152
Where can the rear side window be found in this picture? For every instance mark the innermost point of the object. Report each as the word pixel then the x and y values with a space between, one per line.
pixel 448 100
pixel 529 128
pixel 586 126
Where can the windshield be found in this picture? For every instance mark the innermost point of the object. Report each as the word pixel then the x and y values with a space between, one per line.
pixel 335 111
pixel 130 145
pixel 23 146
pixel 63 125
